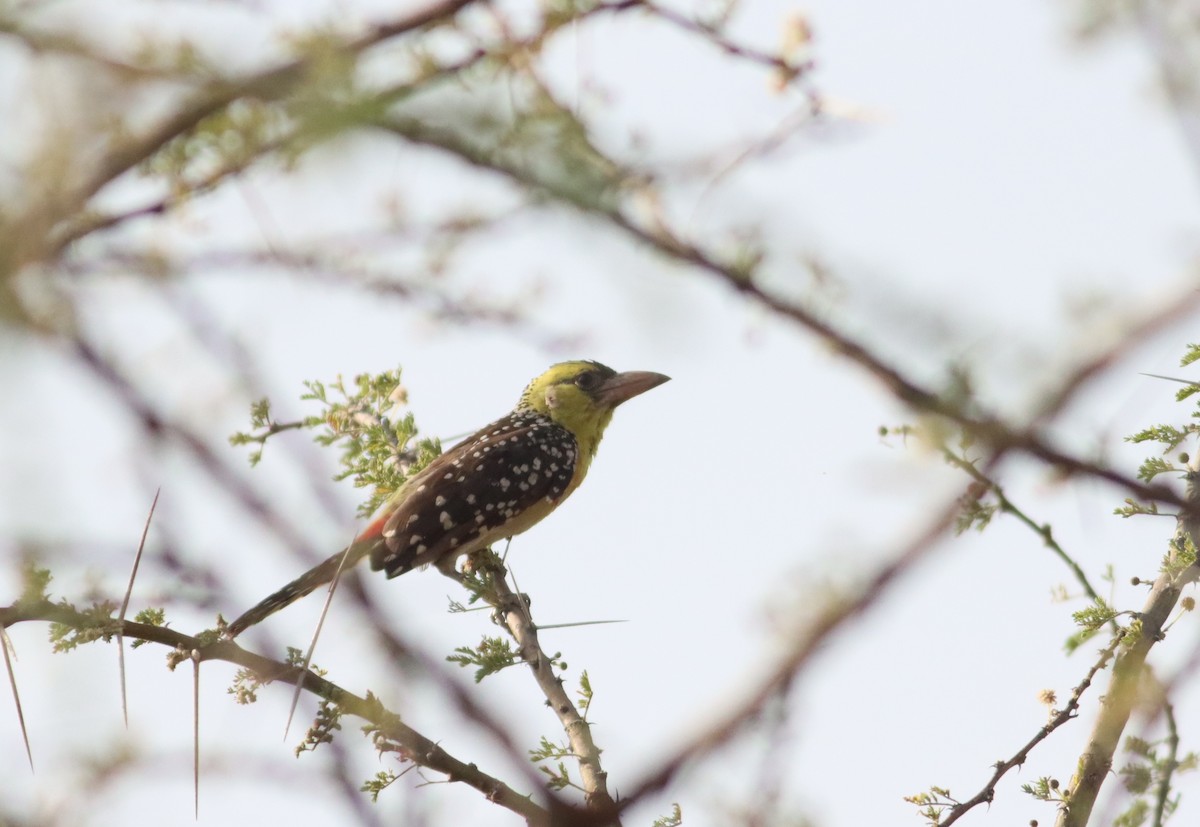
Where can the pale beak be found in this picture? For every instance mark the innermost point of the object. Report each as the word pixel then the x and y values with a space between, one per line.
pixel 625 386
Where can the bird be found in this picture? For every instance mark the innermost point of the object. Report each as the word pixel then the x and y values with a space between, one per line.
pixel 497 483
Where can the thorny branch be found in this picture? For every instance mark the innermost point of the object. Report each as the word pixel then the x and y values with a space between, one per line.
pixel 416 747
pixel 1062 716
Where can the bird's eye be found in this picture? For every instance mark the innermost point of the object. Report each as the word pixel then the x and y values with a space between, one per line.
pixel 588 381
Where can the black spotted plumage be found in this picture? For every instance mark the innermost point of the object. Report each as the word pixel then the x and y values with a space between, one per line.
pixel 491 478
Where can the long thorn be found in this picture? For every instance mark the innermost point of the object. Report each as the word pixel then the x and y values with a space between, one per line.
pixel 1170 378
pixel 542 626
pixel 312 644
pixel 6 644
pixel 196 734
pixel 137 560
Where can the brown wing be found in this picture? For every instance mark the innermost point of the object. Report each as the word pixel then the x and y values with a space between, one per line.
pixel 477 492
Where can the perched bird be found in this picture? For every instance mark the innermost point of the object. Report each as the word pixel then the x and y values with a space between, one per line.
pixel 495 484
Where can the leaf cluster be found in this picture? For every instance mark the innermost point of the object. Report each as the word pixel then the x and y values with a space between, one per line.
pixel 489 656
pixel 377 451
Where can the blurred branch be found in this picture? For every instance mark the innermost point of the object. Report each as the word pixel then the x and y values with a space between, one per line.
pixel 801 651
pixel 1165 38
pixel 999 436
pixel 34 227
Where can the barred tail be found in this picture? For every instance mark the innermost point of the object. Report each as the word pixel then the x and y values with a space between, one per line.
pixel 314 578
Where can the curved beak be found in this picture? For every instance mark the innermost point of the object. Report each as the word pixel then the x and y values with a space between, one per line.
pixel 625 386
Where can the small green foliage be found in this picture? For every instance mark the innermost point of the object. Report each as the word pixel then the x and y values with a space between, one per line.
pixel 933 804
pixel 1153 466
pixel 585 694
pixel 547 750
pixel 150 617
pixel 327 722
pixel 34 582
pixel 974 513
pixel 558 777
pixel 377 452
pixel 1133 507
pixel 208 637
pixel 1136 778
pixel 1044 789
pixel 490 656
pixel 673 820
pixel 1167 435
pixel 246 684
pixel 1090 620
pixel 1181 554
pixel 382 780
pixel 96 623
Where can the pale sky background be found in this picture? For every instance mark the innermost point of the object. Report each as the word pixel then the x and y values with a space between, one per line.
pixel 992 192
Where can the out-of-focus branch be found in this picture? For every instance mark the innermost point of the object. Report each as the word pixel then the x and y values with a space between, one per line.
pixel 998 436
pixel 800 653
pixel 1165 39
pixel 33 229
pixel 416 747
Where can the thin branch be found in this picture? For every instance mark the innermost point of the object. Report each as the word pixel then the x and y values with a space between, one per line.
pixel 1042 530
pixel 1062 716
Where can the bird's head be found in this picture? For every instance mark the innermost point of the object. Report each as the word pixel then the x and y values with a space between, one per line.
pixel 581 396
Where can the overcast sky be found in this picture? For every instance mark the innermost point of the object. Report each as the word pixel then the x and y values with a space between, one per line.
pixel 985 190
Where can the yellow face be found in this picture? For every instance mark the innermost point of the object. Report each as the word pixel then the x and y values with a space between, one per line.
pixel 581 397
